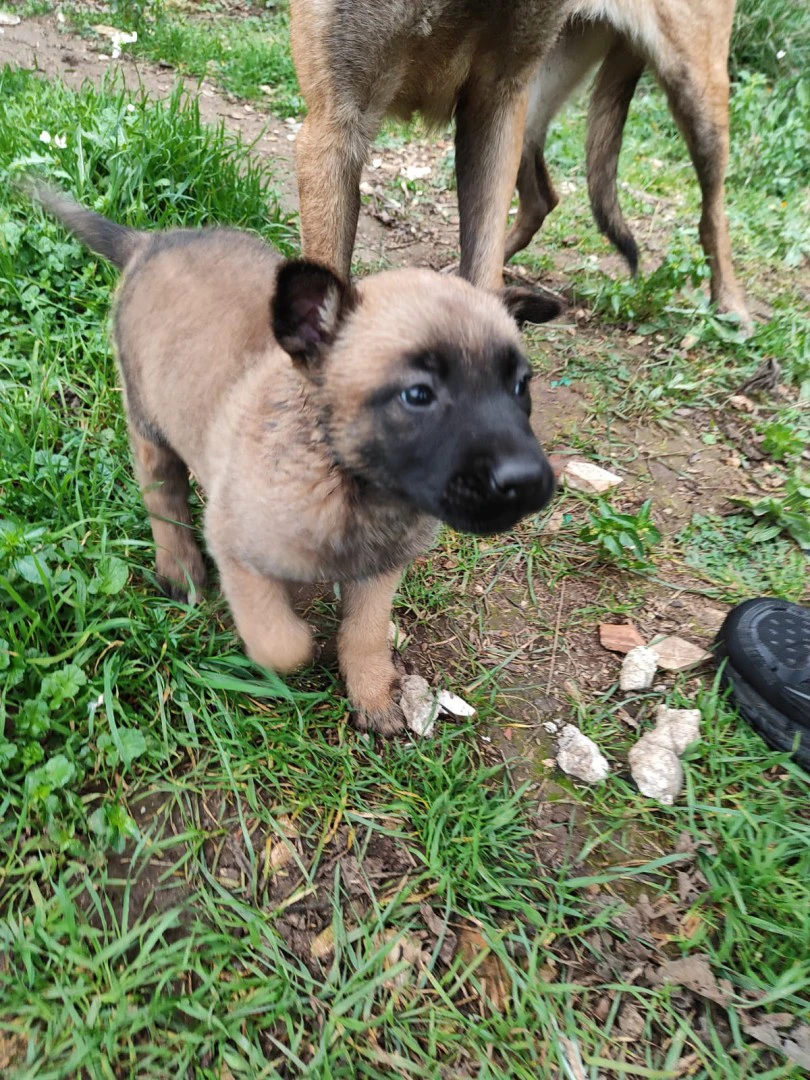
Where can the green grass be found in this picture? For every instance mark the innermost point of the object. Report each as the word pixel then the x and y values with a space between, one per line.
pixel 163 943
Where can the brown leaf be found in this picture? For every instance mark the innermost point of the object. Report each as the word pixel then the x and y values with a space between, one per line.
pixel 440 929
pixel 631 1022
pixel 488 970
pixel 405 947
pixel 619 637
pixel 323 945
pixel 794 1044
pixel 694 973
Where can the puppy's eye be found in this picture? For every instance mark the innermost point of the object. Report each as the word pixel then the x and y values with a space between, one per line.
pixel 522 386
pixel 418 396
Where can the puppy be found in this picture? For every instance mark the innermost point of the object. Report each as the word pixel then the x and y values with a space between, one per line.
pixel 331 427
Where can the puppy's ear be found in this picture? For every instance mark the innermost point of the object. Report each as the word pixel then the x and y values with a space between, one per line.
pixel 309 305
pixel 527 305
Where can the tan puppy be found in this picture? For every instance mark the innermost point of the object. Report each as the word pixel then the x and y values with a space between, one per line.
pixel 361 60
pixel 686 44
pixel 330 427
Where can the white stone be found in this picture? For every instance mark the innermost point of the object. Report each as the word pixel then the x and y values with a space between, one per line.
pixel 454 704
pixel 579 756
pixel 638 669
pixel 654 760
pixel 589 478
pixel 419 705
pixel 676 728
pixel 656 770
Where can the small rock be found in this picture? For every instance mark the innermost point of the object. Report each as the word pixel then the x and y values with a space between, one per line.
pixel 676 654
pixel 638 669
pixel 454 705
pixel 676 728
pixel 415 172
pixel 579 756
pixel 589 478
pixel 554 524
pixel 550 727
pixel 418 703
pixel 619 637
pixel 658 772
pixel 655 759
pixel 9 20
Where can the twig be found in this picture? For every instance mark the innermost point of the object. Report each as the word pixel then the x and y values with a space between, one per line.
pixel 556 640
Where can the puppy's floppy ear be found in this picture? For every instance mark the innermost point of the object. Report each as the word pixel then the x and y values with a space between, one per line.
pixel 530 305
pixel 307 309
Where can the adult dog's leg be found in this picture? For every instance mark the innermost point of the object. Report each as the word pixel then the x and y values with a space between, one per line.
pixel 490 120
pixel 365 660
pixel 697 85
pixel 574 54
pixel 164 484
pixel 329 158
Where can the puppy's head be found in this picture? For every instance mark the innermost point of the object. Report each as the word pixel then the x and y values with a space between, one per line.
pixel 423 387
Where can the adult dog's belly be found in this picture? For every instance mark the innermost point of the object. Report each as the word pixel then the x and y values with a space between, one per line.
pixel 419 55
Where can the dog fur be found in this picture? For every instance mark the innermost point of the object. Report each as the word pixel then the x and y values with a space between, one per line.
pixel 361 60
pixel 685 43
pixel 331 428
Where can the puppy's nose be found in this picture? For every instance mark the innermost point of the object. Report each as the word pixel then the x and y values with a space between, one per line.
pixel 520 475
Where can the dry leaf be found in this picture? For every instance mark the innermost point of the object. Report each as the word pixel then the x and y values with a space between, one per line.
pixel 405 947
pixel 323 945
pixel 440 929
pixel 489 970
pixel 794 1044
pixel 695 974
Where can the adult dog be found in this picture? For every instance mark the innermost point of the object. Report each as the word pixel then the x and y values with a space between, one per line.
pixel 361 60
pixel 331 428
pixel 685 43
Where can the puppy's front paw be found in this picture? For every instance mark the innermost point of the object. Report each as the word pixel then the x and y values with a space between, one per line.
pixel 384 716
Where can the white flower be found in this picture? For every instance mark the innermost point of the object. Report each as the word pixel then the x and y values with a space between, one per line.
pixel 45 136
pixel 130 107
pixel 780 54
pixel 60 141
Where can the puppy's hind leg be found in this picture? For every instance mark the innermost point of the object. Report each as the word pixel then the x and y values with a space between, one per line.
pixel 372 682
pixel 273 634
pixel 164 483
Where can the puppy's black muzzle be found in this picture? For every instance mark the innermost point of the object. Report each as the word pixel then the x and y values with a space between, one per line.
pixel 492 492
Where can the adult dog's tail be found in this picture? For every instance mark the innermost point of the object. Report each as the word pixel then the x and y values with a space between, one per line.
pixel 114 242
pixel 612 93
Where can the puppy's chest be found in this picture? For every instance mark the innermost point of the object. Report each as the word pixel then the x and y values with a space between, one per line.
pixel 377 537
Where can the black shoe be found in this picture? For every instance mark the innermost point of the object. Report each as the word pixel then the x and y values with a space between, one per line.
pixel 767 647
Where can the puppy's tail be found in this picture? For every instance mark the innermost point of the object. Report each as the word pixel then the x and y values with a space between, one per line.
pixel 114 242
pixel 612 93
